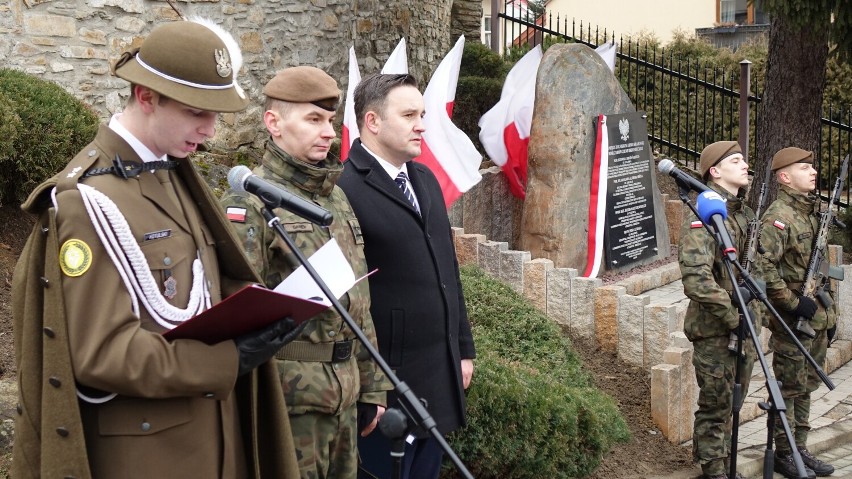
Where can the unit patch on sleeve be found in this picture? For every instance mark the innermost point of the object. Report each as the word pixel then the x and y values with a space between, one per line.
pixel 696 224
pixel 237 215
pixel 75 257
pixel 779 225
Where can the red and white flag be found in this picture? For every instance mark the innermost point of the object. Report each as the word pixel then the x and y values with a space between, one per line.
pixel 504 130
pixel 350 123
pixel 447 150
pixel 607 52
pixel 597 201
pixel 397 62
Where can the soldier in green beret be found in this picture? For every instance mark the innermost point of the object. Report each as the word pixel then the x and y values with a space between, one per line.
pixel 788 230
pixel 334 389
pixel 129 243
pixel 712 314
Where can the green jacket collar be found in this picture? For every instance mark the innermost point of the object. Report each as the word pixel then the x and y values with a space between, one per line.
pixel 733 203
pixel 803 203
pixel 316 179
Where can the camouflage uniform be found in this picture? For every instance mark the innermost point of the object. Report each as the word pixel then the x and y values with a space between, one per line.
pixel 321 395
pixel 710 317
pixel 787 233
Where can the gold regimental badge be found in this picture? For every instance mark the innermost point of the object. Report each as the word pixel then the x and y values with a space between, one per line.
pixel 223 62
pixel 75 257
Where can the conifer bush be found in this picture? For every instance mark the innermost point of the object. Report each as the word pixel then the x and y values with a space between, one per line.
pixel 42 128
pixel 532 410
pixel 480 83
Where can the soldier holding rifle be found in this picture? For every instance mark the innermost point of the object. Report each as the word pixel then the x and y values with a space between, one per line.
pixel 793 235
pixel 712 317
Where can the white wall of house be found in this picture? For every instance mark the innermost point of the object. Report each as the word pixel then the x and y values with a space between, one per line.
pixel 631 17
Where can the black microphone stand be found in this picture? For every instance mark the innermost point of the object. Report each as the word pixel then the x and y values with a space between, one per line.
pixel 410 403
pixel 776 405
pixel 394 426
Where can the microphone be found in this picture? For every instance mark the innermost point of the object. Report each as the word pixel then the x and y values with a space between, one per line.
pixel 683 179
pixel 243 180
pixel 712 210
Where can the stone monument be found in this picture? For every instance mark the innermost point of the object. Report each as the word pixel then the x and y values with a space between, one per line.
pixel 574 86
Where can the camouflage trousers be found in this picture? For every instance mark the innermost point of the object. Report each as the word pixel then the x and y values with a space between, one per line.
pixel 715 370
pixel 798 381
pixel 326 444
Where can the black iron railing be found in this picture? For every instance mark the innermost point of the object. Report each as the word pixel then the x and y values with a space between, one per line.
pixel 689 105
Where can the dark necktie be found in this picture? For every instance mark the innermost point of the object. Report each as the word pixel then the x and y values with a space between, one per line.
pixel 402 181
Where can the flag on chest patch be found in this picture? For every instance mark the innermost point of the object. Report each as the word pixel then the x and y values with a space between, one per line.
pixel 779 225
pixel 236 214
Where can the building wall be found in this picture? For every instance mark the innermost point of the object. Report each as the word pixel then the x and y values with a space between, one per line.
pixel 631 17
pixel 73 42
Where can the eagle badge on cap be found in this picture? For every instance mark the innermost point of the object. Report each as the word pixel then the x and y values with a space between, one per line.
pixel 223 62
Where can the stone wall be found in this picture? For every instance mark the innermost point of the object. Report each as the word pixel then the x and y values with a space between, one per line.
pixel 466 19
pixel 73 42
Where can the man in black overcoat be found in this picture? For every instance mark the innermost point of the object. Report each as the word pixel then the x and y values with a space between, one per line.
pixel 417 302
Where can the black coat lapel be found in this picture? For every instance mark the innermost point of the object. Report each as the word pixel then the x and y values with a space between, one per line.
pixel 377 177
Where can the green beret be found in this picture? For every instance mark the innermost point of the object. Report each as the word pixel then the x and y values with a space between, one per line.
pixel 790 155
pixel 304 85
pixel 193 62
pixel 713 153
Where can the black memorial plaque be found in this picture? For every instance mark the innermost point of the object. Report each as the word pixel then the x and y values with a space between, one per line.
pixel 630 228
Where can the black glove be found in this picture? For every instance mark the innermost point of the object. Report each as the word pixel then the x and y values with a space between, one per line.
pixel 259 346
pixel 366 413
pixel 746 294
pixel 831 332
pixel 806 308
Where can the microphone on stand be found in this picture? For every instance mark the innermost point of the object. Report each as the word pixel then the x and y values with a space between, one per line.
pixel 712 210
pixel 243 180
pixel 684 179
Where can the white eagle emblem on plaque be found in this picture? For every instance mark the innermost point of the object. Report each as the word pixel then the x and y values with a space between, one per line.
pixel 624 129
pixel 223 62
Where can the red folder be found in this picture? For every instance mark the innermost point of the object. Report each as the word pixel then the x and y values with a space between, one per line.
pixel 249 309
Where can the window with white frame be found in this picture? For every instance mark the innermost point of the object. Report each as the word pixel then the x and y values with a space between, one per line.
pixel 486 30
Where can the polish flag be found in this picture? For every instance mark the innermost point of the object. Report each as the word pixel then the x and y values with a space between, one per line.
pixel 607 52
pixel 505 128
pixel 447 150
pixel 350 123
pixel 397 62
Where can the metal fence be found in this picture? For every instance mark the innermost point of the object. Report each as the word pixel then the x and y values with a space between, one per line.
pixel 689 105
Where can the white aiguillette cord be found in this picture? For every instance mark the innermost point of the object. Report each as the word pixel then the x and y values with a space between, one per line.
pixel 132 266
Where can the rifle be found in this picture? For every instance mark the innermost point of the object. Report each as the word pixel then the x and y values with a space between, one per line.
pixel 816 284
pixel 752 247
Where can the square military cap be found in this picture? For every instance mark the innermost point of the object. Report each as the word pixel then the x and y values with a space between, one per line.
pixel 790 155
pixel 193 62
pixel 713 153
pixel 304 84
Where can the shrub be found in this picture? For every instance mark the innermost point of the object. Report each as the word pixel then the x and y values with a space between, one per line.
pixel 480 82
pixel 51 127
pixel 532 409
pixel 479 61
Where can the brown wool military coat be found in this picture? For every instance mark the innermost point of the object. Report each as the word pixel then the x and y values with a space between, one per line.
pixel 180 409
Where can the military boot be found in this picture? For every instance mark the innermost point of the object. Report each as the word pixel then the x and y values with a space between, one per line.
pixel 821 469
pixel 785 466
pixel 723 476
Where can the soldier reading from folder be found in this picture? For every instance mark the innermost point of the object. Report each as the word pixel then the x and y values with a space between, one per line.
pixel 129 243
